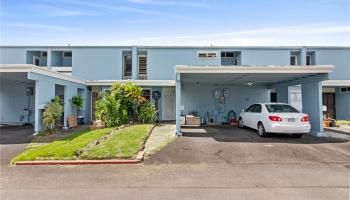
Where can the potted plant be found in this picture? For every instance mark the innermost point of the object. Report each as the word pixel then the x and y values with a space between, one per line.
pixel 78 102
pixel 326 121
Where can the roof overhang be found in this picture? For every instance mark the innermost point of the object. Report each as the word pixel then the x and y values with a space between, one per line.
pixel 147 83
pixel 336 83
pixel 262 74
pixel 27 68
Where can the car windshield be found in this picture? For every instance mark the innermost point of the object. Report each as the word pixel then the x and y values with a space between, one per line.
pixel 281 108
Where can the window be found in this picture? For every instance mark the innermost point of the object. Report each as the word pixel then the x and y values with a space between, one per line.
pixel 257 108
pixel 281 108
pixel 146 93
pixel 251 108
pixel 67 54
pixel 344 89
pixel 230 57
pixel 127 65
pixel 308 60
pixel 107 91
pixel 207 55
pixel 142 67
pixel 293 60
pixel 44 54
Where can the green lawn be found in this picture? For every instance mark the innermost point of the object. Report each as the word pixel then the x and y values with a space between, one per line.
pixel 65 149
pixel 343 122
pixel 124 143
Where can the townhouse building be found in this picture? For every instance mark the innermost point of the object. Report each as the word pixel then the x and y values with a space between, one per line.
pixel 205 81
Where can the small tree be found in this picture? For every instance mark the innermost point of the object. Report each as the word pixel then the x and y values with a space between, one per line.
pixel 53 113
pixel 78 101
pixel 147 113
pixel 120 105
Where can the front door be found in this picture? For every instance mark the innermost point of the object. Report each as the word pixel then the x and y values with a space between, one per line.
pixel 168 104
pixel 329 101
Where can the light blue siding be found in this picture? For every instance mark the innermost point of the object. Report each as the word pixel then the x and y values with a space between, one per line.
pixel 342 102
pixel 13 100
pixel 161 62
pixel 12 55
pixel 98 63
pixel 200 98
pixel 265 57
pixel 340 58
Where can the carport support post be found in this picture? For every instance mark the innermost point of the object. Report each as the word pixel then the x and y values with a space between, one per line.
pixel 312 105
pixel 178 104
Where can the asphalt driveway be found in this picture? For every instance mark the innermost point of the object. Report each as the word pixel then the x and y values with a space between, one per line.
pixel 243 146
pixel 211 163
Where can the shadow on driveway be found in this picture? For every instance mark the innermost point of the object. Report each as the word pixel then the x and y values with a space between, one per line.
pixel 16 134
pixel 231 145
pixel 235 134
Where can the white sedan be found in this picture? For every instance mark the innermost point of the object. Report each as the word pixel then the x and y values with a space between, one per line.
pixel 275 118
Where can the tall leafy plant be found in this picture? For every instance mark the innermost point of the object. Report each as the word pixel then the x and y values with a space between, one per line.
pixel 147 113
pixel 121 105
pixel 53 113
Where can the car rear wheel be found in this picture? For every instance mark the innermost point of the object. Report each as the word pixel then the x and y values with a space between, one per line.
pixel 261 130
pixel 240 123
pixel 297 135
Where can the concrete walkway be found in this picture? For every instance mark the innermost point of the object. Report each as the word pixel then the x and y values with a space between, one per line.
pixel 161 135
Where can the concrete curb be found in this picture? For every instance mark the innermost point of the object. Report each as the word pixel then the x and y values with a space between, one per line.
pixel 77 162
pixel 337 131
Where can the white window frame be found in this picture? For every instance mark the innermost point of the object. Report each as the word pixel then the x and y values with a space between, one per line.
pixel 67 56
pixel 207 54
pixel 347 89
pixel 296 59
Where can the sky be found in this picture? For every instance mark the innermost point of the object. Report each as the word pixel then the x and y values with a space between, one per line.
pixel 175 22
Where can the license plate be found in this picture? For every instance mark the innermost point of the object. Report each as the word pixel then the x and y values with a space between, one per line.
pixel 291 119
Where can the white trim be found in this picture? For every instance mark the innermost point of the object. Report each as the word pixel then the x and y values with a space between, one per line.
pixel 208 52
pixel 336 83
pixel 137 82
pixel 258 69
pixel 7 68
pixel 62 69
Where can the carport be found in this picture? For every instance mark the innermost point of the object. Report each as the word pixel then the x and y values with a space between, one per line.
pixel 242 86
pixel 30 87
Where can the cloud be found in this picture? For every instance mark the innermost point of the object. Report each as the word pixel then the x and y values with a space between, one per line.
pixel 119 8
pixel 195 4
pixel 41 26
pixel 289 35
pixel 63 12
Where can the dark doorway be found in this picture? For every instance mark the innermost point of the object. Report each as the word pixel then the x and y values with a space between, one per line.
pixel 273 97
pixel 329 101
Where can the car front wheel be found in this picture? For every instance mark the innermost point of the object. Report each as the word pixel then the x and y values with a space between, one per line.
pixel 261 130
pixel 240 123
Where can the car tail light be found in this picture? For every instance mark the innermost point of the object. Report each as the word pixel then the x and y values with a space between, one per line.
pixel 305 119
pixel 275 118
